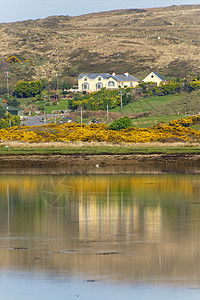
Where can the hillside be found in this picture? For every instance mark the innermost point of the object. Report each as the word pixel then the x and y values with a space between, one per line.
pixel 136 40
pixel 186 105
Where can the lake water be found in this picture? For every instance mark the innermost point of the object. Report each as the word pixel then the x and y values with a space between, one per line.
pixel 130 236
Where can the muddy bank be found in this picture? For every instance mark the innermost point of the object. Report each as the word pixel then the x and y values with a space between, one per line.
pixel 30 160
pixel 105 163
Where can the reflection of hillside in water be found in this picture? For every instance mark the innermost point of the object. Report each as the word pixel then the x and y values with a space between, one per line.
pixel 124 227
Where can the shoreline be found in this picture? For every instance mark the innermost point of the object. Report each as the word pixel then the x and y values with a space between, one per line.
pixel 81 158
pixel 98 160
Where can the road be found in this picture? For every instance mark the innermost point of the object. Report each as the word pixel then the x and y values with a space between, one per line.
pixel 35 120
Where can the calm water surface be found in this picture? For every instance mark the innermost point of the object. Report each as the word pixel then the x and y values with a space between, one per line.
pixel 100 236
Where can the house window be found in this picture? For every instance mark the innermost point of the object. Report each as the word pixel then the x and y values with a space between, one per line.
pixel 99 78
pixel 152 76
pixel 111 83
pixel 131 84
pixel 99 86
pixel 85 79
pixel 85 86
pixel 122 84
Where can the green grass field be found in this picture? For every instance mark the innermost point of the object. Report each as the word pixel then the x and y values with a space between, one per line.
pixel 163 109
pixel 63 105
pixel 147 104
pixel 102 149
pixel 151 121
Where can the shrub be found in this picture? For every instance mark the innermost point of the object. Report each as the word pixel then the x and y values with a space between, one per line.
pixel 13 59
pixel 121 123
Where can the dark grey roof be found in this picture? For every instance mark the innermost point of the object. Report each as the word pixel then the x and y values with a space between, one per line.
pixel 95 75
pixel 161 78
pixel 107 75
pixel 125 78
pixel 11 108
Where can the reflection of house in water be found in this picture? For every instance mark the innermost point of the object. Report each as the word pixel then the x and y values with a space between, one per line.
pixel 116 216
pixel 153 222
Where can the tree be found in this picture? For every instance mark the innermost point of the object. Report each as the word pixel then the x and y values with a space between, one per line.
pixel 121 123
pixel 2 112
pixel 25 89
pixel 9 120
pixel 13 102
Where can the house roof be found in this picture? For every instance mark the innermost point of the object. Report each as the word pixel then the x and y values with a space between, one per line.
pixel 160 77
pixel 11 108
pixel 95 75
pixel 107 75
pixel 125 78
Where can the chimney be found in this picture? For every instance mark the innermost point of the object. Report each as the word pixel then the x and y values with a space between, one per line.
pixel 113 74
pixel 126 74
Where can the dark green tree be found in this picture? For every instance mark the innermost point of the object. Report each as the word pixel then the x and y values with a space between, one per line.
pixel 121 123
pixel 26 89
pixel 2 112
pixel 13 102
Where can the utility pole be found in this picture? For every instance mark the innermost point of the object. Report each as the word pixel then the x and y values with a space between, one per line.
pixel 107 115
pixel 7 76
pixel 45 116
pixel 121 103
pixel 81 115
pixel 57 82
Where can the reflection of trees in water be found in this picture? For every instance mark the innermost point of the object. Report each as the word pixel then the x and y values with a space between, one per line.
pixel 26 185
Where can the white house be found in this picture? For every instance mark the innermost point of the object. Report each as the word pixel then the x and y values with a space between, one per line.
pixel 154 77
pixel 96 81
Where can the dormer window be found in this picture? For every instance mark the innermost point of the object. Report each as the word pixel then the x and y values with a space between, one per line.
pixel 99 78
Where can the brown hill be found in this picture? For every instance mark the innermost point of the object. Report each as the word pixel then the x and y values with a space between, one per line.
pixel 136 40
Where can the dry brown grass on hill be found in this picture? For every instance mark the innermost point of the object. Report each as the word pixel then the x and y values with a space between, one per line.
pixel 56 145
pixel 121 40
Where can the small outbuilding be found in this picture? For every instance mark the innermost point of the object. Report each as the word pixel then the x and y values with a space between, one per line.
pixel 54 99
pixel 14 111
pixel 154 77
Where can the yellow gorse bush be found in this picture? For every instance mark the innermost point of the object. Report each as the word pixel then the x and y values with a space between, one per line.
pixel 175 130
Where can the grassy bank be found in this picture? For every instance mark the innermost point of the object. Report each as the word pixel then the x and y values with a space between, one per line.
pixel 14 148
pixel 148 104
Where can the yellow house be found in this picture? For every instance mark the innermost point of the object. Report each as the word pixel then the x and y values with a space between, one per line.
pixel 154 77
pixel 96 81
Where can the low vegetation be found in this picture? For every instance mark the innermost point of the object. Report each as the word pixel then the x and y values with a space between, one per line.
pixel 59 148
pixel 8 120
pixel 177 130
